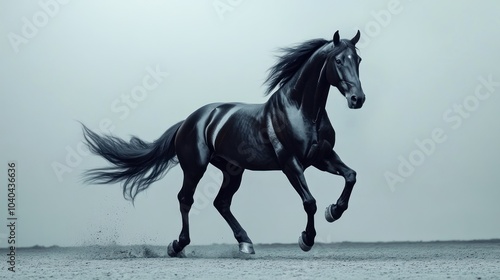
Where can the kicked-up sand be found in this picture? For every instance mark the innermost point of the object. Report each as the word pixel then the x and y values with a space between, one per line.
pixel 400 260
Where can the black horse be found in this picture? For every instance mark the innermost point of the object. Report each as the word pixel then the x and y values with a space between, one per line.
pixel 290 132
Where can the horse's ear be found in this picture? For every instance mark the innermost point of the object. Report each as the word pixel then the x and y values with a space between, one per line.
pixel 336 38
pixel 356 38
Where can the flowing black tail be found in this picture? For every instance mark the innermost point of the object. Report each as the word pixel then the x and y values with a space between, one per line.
pixel 137 164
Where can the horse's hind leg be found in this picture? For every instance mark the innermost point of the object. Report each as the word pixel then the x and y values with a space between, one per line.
pixel 193 163
pixel 231 184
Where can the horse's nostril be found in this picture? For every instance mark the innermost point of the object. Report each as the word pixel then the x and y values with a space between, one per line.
pixel 354 98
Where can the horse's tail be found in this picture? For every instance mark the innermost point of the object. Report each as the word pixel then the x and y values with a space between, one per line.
pixel 136 163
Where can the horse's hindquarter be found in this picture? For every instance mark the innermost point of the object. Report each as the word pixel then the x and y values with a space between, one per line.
pixel 237 133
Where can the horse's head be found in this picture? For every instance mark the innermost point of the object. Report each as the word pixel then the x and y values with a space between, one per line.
pixel 343 70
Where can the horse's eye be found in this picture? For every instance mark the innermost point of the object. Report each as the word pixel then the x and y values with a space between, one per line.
pixel 338 61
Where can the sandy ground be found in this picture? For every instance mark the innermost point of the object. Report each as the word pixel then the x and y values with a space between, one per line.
pixel 421 260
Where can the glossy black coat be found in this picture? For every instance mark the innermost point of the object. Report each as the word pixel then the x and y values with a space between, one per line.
pixel 290 132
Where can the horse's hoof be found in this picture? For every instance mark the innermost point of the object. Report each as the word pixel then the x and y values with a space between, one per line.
pixel 328 213
pixel 247 248
pixel 172 253
pixel 303 245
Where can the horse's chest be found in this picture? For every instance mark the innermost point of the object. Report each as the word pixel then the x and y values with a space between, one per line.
pixel 307 141
pixel 314 142
pixel 313 147
pixel 304 138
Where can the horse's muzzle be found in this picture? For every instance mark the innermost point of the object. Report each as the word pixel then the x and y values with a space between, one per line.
pixel 356 101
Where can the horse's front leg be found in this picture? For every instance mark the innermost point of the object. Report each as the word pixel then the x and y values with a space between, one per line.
pixel 333 164
pixel 295 174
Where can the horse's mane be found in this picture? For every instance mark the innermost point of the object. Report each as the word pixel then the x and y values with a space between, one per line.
pixel 293 58
pixel 290 62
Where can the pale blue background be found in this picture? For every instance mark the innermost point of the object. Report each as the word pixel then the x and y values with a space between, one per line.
pixel 416 65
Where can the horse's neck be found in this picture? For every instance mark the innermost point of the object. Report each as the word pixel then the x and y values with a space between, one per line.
pixel 310 91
